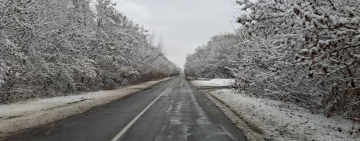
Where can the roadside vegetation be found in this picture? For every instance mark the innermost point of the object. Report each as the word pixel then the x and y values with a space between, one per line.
pixel 57 47
pixel 302 51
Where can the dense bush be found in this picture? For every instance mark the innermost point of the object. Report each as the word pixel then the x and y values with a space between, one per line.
pixel 57 47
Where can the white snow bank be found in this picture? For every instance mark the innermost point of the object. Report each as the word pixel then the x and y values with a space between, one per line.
pixel 32 113
pixel 213 82
pixel 286 121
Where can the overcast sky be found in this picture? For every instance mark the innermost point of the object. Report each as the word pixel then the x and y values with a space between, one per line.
pixel 183 24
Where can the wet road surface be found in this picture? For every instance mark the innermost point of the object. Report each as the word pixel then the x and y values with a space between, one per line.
pixel 170 111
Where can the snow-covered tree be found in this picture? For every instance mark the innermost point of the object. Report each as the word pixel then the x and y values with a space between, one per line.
pixel 213 59
pixel 303 51
pixel 56 47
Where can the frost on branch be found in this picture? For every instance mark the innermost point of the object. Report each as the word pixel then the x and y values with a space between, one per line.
pixel 289 40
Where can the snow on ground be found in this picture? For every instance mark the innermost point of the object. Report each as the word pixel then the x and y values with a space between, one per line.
pixel 213 82
pixel 32 113
pixel 286 121
pixel 282 121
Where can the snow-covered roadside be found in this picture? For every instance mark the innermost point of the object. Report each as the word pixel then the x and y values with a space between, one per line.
pixel 285 121
pixel 213 82
pixel 29 114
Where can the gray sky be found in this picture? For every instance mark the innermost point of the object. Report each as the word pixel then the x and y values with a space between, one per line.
pixel 183 24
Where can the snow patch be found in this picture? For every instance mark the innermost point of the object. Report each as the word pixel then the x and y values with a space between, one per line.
pixel 213 82
pixel 286 121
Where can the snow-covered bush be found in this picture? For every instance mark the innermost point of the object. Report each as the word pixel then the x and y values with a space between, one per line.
pixel 297 39
pixel 3 73
pixel 265 68
pixel 53 47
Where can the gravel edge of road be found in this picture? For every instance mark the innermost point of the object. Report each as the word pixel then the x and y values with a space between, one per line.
pixel 244 126
pixel 18 126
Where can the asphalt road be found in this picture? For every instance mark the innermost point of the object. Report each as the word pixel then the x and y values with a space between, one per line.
pixel 170 111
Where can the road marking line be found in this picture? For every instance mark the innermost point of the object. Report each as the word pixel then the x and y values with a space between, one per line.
pixel 131 123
